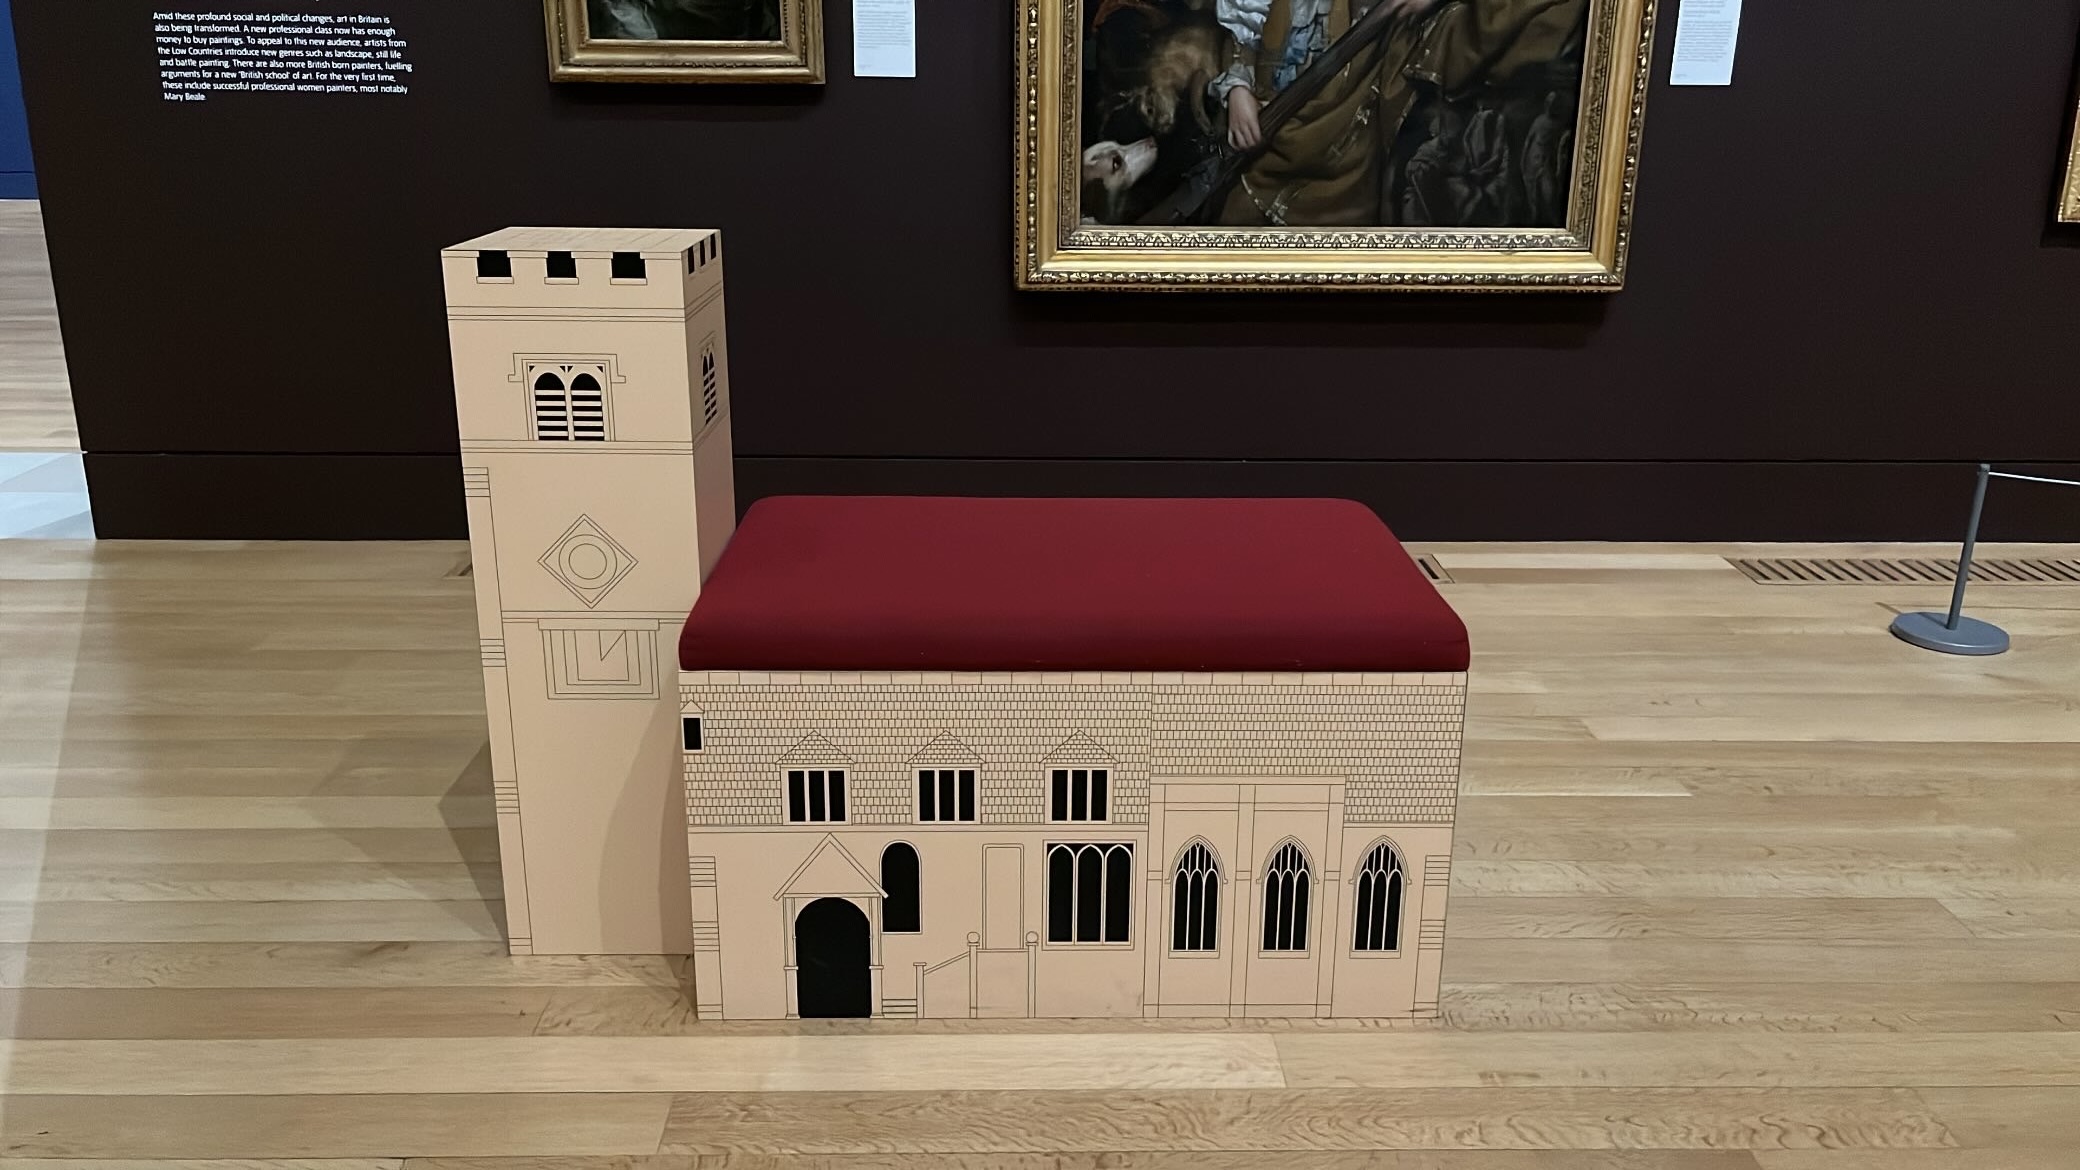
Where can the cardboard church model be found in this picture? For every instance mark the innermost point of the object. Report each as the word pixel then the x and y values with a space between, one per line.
pixel 926 757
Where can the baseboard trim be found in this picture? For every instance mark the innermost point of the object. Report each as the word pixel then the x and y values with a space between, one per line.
pixel 417 497
pixel 276 497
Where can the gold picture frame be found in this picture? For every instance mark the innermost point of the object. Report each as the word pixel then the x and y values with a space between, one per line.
pixel 1057 248
pixel 794 56
pixel 2069 190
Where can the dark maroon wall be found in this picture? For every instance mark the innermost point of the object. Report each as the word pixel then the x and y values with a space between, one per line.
pixel 1845 284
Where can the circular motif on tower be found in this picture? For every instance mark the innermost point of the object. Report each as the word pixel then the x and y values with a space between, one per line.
pixel 586 561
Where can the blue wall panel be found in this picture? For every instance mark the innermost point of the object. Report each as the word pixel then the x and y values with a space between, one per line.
pixel 17 169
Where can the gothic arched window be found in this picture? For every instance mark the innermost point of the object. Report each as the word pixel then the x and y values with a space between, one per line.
pixel 1379 901
pixel 1286 882
pixel 1195 901
pixel 1090 893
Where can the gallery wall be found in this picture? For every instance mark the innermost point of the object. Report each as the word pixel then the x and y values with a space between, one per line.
pixel 1845 286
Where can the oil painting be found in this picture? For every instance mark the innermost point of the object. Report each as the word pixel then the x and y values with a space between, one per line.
pixel 1268 143
pixel 2069 187
pixel 685 40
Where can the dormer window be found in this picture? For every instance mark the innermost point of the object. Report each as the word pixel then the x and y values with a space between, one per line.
pixel 1079 781
pixel 813 775
pixel 1079 794
pixel 946 795
pixel 815 796
pixel 946 769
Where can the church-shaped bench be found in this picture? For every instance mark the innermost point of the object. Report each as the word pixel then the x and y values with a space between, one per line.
pixel 957 757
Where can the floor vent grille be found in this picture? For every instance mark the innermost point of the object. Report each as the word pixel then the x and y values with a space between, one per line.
pixel 1433 570
pixel 1904 570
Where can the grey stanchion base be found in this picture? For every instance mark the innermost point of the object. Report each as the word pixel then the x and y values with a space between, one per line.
pixel 1971 636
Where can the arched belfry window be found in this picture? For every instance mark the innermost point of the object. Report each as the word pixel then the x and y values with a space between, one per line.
pixel 552 408
pixel 899 880
pixel 1379 901
pixel 588 408
pixel 711 382
pixel 1195 900
pixel 1286 881
pixel 568 400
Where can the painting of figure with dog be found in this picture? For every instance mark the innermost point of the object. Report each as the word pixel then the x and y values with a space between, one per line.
pixel 1330 113
pixel 683 20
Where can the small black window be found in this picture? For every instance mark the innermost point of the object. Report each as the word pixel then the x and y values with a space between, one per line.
pixel 690 732
pixel 899 913
pixel 946 794
pixel 628 266
pixel 816 795
pixel 563 266
pixel 494 266
pixel 1078 794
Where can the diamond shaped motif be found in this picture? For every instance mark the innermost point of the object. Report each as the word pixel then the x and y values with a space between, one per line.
pixel 588 562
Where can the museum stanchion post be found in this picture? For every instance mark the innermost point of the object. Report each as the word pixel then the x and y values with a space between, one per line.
pixel 1954 633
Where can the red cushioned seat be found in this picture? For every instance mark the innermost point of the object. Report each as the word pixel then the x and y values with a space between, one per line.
pixel 931 583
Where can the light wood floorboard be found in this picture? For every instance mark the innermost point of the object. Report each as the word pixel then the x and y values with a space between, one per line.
pixel 35 393
pixel 257 1013
pixel 1509 1118
pixel 1742 883
pixel 1139 1160
pixel 360 1126
pixel 1147 1160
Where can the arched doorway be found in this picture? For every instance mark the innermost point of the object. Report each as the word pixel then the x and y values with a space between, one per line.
pixel 831 957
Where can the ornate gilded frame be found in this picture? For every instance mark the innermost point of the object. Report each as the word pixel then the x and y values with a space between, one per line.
pixel 1055 252
pixel 796 58
pixel 2069 191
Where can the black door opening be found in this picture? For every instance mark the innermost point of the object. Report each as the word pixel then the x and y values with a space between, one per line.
pixel 831 956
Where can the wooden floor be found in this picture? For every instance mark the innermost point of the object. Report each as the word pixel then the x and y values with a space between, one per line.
pixel 35 395
pixel 1742 884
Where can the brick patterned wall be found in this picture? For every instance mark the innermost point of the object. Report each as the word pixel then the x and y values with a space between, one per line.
pixel 881 730
pixel 1395 739
pixel 1397 745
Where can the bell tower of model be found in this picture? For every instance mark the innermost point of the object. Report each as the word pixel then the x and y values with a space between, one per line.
pixel 592 394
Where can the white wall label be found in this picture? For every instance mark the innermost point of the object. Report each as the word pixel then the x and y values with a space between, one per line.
pixel 884 38
pixel 1706 33
pixel 206 53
